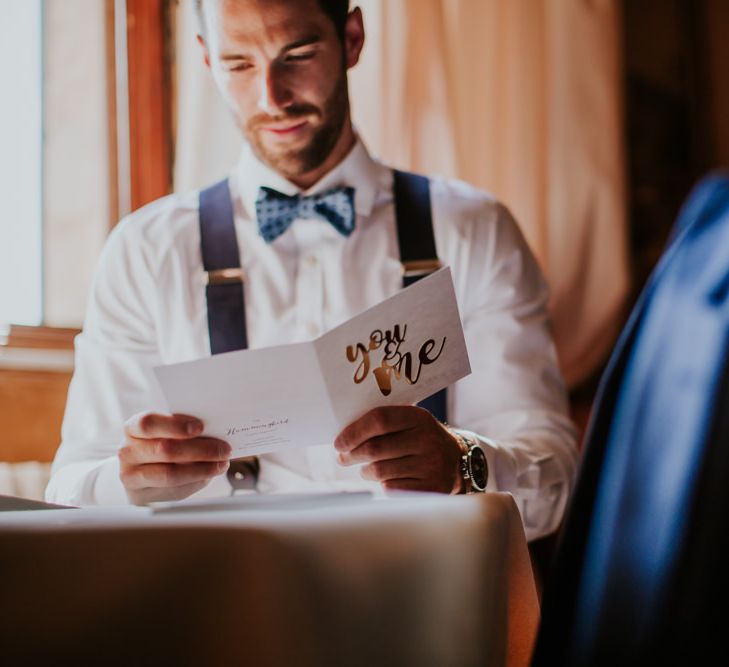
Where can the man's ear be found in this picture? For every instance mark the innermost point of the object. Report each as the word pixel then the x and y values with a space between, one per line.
pixel 206 53
pixel 353 37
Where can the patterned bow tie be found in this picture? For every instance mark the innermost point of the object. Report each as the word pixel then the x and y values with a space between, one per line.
pixel 276 211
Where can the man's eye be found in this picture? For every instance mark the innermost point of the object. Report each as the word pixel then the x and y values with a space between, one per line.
pixel 238 67
pixel 300 57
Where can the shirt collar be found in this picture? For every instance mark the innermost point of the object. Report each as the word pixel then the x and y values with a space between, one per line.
pixel 357 170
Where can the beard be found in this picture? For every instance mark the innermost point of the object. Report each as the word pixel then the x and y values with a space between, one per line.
pixel 295 161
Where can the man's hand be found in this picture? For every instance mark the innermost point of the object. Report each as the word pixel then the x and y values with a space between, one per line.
pixel 163 457
pixel 403 447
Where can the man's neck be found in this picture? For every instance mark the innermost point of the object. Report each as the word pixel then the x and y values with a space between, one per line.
pixel 339 152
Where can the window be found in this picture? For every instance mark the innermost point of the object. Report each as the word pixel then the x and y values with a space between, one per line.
pixel 85 135
pixel 21 174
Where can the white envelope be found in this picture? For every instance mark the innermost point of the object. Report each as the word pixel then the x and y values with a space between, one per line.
pixel 268 399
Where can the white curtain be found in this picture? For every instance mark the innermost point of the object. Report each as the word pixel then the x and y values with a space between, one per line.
pixel 519 97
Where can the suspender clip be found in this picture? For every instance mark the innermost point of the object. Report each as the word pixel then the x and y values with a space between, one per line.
pixel 224 276
pixel 420 267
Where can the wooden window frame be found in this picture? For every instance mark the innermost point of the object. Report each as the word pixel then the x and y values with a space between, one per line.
pixel 139 92
pixel 149 85
pixel 48 338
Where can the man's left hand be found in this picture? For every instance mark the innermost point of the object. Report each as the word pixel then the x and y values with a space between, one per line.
pixel 402 447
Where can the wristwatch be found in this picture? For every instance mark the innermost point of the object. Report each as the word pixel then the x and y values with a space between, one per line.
pixel 474 467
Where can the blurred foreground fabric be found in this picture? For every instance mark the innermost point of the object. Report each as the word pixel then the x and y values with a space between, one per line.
pixel 519 97
pixel 641 575
pixel 411 580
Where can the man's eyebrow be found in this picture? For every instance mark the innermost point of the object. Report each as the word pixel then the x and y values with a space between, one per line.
pixel 233 56
pixel 305 41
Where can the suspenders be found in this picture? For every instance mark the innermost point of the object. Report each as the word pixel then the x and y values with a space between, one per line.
pixel 221 261
pixel 224 276
pixel 414 226
pixel 417 248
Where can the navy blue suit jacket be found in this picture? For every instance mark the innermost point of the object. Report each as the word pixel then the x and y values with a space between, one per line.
pixel 639 575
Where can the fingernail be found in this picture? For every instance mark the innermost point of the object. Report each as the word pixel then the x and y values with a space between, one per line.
pixel 193 427
pixel 223 465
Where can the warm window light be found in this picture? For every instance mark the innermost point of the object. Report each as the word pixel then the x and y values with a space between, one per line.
pixel 21 71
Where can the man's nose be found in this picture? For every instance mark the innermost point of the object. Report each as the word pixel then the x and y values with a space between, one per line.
pixel 275 94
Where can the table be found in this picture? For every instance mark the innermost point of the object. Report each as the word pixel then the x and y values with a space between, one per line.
pixel 414 579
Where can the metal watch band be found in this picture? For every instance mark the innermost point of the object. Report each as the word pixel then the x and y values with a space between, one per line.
pixel 468 445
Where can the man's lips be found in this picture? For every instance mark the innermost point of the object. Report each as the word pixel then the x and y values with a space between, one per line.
pixel 283 130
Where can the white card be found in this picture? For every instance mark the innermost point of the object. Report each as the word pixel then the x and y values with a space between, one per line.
pixel 269 399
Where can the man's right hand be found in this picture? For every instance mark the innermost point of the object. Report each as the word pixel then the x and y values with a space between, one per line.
pixel 164 458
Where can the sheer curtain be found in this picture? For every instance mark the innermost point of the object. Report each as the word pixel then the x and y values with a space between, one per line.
pixel 519 97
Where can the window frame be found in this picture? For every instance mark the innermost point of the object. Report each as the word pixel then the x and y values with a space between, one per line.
pixel 139 93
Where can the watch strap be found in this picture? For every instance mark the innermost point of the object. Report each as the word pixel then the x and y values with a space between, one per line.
pixel 468 445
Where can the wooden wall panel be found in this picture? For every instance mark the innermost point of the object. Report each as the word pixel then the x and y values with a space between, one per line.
pixel 717 25
pixel 31 411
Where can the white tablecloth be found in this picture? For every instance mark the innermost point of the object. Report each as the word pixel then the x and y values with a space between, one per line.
pixel 416 579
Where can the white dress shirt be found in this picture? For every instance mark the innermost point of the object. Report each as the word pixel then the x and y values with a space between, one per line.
pixel 147 307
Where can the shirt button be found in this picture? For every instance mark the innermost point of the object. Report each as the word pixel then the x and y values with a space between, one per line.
pixel 312 329
pixel 311 260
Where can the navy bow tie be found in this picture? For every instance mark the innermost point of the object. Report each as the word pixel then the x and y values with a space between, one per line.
pixel 276 211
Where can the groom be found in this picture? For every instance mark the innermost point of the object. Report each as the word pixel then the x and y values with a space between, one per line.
pixel 314 230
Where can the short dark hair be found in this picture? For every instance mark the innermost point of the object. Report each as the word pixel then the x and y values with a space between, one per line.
pixel 336 10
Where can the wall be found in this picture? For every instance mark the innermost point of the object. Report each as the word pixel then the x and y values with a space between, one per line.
pixel 717 27
pixel 677 67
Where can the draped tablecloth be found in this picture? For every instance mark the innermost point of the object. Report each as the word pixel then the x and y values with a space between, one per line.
pixel 412 579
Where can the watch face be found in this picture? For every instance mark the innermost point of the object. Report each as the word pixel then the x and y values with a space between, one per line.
pixel 479 469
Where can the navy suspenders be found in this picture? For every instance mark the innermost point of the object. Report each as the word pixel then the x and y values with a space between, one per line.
pixel 417 248
pixel 221 261
pixel 225 299
pixel 224 277
pixel 414 226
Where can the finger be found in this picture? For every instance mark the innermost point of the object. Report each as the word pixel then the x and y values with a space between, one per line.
pixel 380 421
pixel 166 450
pixel 165 475
pixel 154 425
pixel 392 446
pixel 144 496
pixel 392 469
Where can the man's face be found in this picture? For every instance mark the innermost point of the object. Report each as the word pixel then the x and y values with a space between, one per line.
pixel 281 69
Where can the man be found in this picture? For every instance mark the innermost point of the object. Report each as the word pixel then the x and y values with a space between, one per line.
pixel 281 66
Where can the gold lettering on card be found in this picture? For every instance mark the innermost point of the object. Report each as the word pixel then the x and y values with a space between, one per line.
pixel 394 361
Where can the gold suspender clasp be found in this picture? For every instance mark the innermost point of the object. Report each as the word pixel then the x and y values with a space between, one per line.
pixel 420 267
pixel 224 276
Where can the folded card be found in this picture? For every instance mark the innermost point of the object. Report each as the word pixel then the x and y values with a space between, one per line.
pixel 396 353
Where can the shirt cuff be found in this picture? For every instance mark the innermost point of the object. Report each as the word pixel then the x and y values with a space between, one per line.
pixel 76 483
pixel 108 487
